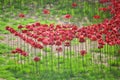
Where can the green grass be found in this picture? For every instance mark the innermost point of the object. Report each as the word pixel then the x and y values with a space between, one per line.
pixel 47 49
pixel 46 74
pixel 4 48
pixel 2 37
pixel 74 42
pixel 110 50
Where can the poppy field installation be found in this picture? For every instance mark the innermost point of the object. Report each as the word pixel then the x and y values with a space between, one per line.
pixel 67 48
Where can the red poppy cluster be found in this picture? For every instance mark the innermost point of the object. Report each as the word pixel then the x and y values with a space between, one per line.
pixel 19 51
pixel 24 37
pixel 39 35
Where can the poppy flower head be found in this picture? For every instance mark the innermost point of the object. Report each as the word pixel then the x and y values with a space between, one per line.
pixel 67 44
pixel 36 59
pixel 24 54
pixel 7 27
pixel 51 42
pixel 83 52
pixel 37 24
pixel 39 39
pixel 45 41
pixel 39 46
pixel 20 27
pixel 24 31
pixel 58 43
pixel 18 50
pixel 52 25
pixel 12 30
pixel 103 9
pixel 46 11
pixel 59 49
pixel 118 42
pixel 21 15
pixel 81 38
pixel 74 4
pixel 13 51
pixel 93 38
pixel 96 17
pixel 67 16
pixel 16 34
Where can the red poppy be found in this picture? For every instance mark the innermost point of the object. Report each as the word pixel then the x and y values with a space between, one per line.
pixel 98 36
pixel 101 42
pixel 51 42
pixel 118 42
pixel 58 43
pixel 24 31
pixel 93 38
pixel 24 53
pixel 67 44
pixel 103 9
pixel 39 39
pixel 37 24
pixel 67 16
pixel 18 50
pixel 81 38
pixel 13 51
pixel 39 46
pixel 96 17
pixel 16 34
pixel 59 49
pixel 74 28
pixel 35 36
pixel 51 25
pixel 7 27
pixel 74 4
pixel 111 43
pixel 21 15
pixel 36 59
pixel 12 30
pixel 46 11
pixel 45 41
pixel 20 27
pixel 83 52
